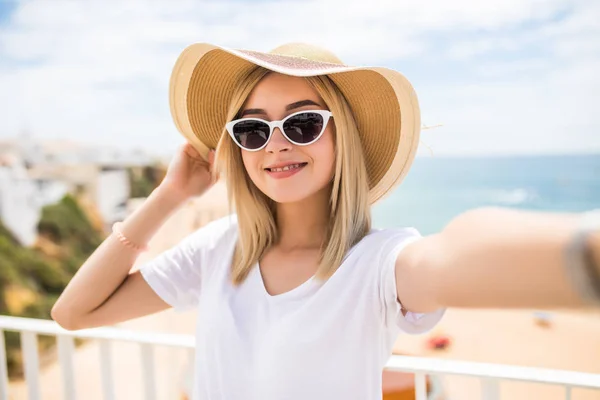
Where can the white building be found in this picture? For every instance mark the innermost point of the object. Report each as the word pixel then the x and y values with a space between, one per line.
pixel 22 198
pixel 112 193
pixel 39 173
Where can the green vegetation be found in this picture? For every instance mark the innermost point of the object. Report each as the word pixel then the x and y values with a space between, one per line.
pixel 143 180
pixel 31 279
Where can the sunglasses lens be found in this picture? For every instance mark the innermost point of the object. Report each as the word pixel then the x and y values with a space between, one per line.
pixel 304 128
pixel 251 135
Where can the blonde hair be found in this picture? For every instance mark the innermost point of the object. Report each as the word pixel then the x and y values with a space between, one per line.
pixel 350 213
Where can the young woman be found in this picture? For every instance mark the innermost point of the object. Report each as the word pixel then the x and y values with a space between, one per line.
pixel 297 296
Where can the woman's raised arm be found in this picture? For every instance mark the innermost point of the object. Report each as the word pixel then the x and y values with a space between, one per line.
pixel 103 291
pixel 493 257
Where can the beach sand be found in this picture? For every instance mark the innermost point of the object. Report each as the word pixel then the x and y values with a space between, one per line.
pixel 511 337
pixel 572 342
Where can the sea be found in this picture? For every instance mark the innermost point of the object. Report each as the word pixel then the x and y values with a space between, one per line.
pixel 437 189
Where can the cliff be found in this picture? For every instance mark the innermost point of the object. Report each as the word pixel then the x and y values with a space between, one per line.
pixel 31 279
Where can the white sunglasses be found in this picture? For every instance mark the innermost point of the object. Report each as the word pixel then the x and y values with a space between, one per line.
pixel 300 128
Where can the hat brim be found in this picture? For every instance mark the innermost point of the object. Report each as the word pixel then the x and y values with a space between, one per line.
pixel 383 102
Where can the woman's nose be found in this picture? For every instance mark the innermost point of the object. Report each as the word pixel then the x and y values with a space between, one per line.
pixel 278 142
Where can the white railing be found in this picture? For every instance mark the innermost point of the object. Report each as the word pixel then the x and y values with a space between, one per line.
pixel 30 328
pixel 489 374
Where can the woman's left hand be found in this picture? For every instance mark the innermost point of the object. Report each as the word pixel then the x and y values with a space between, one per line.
pixel 498 258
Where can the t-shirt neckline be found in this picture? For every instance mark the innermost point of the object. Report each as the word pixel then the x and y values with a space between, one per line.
pixel 293 293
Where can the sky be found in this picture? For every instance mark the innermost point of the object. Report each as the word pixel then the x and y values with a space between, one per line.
pixel 501 76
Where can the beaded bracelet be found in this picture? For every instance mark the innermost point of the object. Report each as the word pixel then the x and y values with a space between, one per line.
pixel 123 239
pixel 580 267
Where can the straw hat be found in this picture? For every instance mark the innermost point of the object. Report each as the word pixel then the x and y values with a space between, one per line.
pixel 383 101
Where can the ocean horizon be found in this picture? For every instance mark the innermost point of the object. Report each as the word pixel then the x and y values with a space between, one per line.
pixel 438 188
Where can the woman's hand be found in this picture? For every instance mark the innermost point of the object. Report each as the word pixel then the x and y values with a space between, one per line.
pixel 189 174
pixel 493 257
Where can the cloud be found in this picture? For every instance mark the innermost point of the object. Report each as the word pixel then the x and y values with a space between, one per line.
pixel 502 76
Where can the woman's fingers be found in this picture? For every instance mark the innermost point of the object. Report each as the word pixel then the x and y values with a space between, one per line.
pixel 195 156
pixel 191 152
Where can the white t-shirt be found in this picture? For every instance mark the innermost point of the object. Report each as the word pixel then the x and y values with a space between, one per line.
pixel 318 341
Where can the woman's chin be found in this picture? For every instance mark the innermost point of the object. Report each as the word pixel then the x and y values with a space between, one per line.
pixel 289 195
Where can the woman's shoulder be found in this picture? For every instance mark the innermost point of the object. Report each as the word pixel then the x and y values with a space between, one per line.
pixel 385 234
pixel 214 233
pixel 383 241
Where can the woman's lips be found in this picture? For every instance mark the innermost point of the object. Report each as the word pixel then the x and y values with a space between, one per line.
pixel 279 174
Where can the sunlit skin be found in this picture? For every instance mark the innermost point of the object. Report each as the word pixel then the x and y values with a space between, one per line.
pixel 302 199
pixel 270 100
